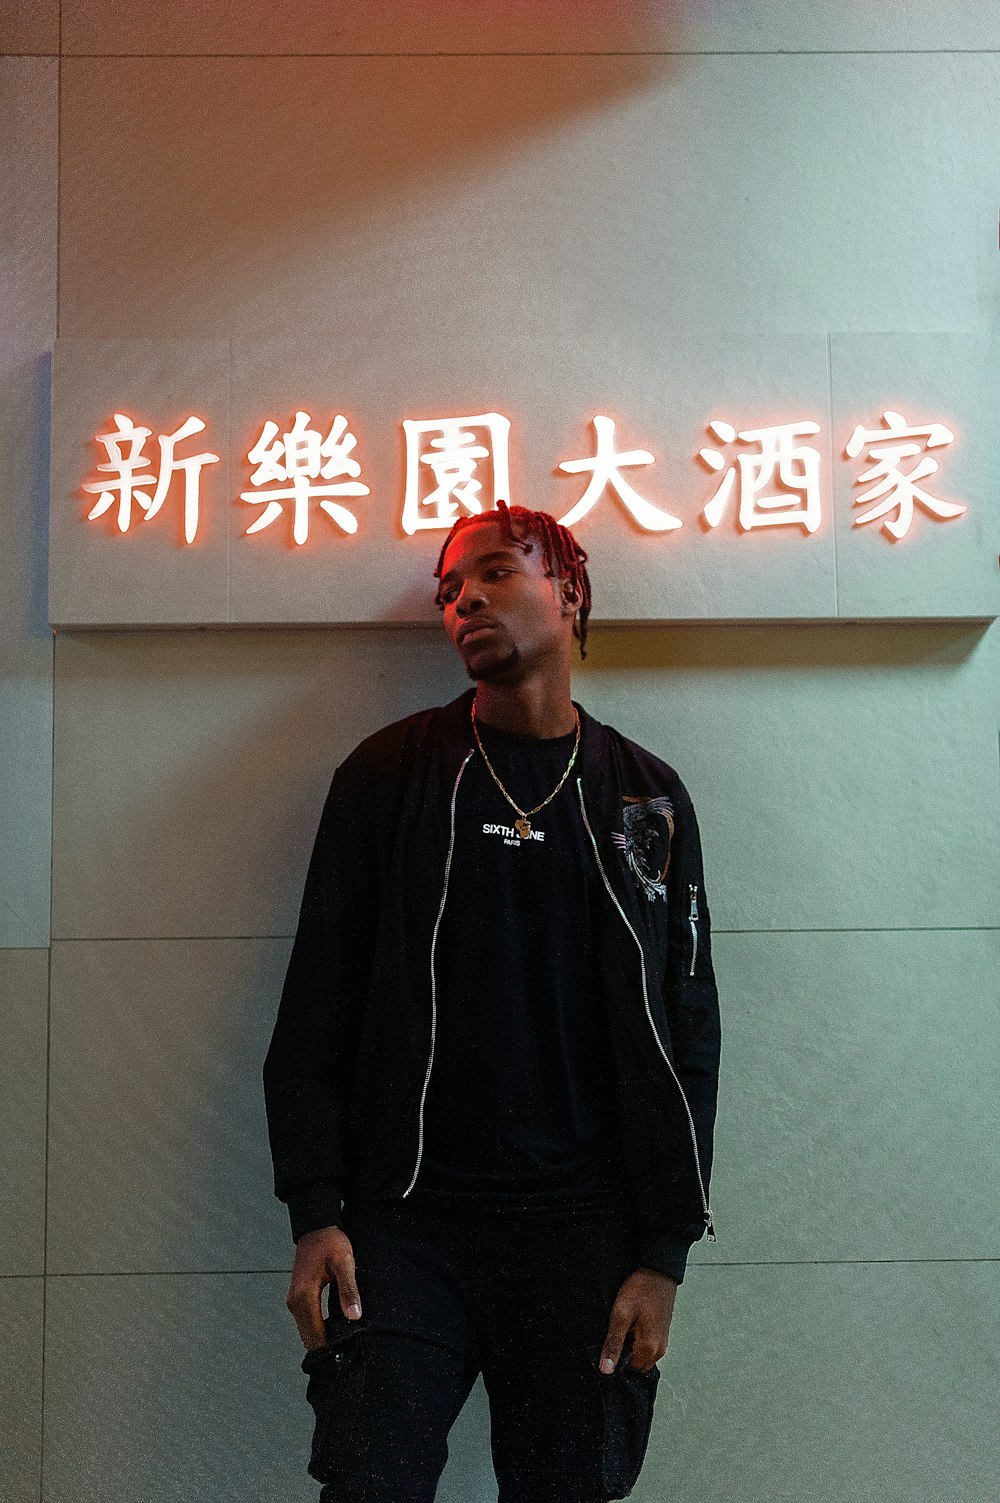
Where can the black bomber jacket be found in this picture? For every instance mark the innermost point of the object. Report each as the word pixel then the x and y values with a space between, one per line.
pixel 351 1054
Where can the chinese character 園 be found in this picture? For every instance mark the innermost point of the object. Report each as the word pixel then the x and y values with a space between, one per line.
pixel 452 460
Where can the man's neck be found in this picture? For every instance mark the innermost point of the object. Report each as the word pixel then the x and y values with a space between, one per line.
pixel 533 708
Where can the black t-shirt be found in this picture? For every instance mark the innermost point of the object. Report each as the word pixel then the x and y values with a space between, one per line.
pixel 521 1111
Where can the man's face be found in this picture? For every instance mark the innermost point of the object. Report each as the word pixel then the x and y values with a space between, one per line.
pixel 501 610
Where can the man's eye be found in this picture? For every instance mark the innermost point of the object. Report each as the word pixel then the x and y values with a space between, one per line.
pixel 494 572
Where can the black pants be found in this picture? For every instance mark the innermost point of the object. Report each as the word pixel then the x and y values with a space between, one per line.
pixel 447 1294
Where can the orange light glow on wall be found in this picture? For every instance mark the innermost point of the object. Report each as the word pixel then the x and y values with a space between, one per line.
pixel 606 474
pixel 899 491
pixel 289 467
pixel 126 463
pixel 797 467
pixel 441 472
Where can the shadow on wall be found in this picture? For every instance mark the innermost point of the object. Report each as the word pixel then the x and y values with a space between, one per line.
pixel 25 427
pixel 738 648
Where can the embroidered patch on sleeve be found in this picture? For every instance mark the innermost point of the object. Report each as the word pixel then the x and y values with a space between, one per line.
pixel 646 841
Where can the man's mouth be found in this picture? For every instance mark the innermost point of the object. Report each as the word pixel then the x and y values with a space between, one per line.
pixel 472 632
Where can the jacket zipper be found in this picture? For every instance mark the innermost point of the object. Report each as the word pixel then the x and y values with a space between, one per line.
pixel 693 917
pixel 645 994
pixel 437 925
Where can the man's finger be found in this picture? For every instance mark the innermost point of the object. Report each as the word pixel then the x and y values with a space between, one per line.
pixel 350 1299
pixel 305 1300
pixel 618 1328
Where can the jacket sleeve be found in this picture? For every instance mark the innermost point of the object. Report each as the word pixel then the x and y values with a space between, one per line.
pixel 309 1067
pixel 692 1002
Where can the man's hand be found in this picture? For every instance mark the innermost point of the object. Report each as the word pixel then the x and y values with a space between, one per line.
pixel 323 1256
pixel 645 1305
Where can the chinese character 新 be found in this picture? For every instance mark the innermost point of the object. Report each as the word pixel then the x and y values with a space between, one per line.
pixel 889 446
pixel 605 472
pixel 798 470
pixel 132 485
pixel 288 469
pixel 441 473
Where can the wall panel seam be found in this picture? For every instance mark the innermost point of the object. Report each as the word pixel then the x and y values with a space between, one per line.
pixel 155 1273
pixel 146 939
pixel 684 52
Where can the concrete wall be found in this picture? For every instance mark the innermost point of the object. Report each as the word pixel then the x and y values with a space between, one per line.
pixel 765 168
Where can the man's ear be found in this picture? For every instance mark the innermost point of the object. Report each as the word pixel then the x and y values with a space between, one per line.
pixel 572 595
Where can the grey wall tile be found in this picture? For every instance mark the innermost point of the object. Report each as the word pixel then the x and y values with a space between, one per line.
pixel 205 1371
pixel 191 769
pixel 24 998
pixel 158 1049
pixel 625 201
pixel 28 202
pixel 28 196
pixel 192 1389
pixel 102 575
pixel 162 1174
pixel 22 1304
pixel 25 657
pixel 663 397
pixel 836 771
pixel 855 1101
pixel 827 1382
pixel 856 1097
pixel 552 26
pixel 149 573
pixel 939 565
pixel 29 26
pixel 779 1383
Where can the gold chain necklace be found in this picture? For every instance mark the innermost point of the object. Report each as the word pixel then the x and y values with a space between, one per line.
pixel 523 824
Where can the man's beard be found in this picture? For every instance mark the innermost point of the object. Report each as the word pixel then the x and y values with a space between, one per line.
pixel 496 672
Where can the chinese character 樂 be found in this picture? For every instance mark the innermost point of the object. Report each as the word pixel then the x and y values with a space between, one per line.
pixel 289 469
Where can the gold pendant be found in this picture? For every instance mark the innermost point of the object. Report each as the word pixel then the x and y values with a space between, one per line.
pixel 523 826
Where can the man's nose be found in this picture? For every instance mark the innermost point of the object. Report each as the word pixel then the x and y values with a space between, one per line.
pixel 470 598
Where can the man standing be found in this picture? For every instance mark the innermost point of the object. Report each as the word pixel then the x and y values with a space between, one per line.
pixel 491 1088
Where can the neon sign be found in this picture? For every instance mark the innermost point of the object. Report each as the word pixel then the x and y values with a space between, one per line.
pixel 775 476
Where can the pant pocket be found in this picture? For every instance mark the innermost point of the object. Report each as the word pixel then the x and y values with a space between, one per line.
pixel 335 1390
pixel 627 1396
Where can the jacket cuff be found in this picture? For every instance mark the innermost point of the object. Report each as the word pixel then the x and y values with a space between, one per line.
pixel 663 1252
pixel 312 1206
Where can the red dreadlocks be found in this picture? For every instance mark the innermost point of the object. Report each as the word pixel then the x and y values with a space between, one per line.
pixel 564 558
